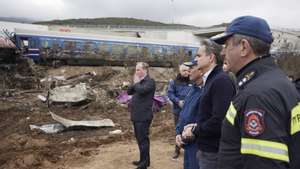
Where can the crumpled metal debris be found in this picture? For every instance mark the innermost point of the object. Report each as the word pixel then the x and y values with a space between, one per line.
pixel 64 124
pixel 71 79
pixel 70 94
pixel 83 123
pixel 53 78
pixel 49 128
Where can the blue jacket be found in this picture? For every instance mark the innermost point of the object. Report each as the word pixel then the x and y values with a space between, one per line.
pixel 189 113
pixel 177 90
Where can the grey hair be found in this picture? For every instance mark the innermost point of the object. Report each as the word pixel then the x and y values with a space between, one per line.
pixel 144 66
pixel 259 47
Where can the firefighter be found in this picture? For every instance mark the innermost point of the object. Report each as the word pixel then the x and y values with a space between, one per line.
pixel 262 125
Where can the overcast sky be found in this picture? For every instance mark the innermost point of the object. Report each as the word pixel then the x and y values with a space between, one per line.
pixel 279 13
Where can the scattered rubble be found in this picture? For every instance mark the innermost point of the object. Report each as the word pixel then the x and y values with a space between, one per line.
pixel 24 89
pixel 115 132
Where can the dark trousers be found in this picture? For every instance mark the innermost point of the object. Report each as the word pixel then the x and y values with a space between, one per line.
pixel 141 131
pixel 176 118
pixel 207 160
pixel 190 156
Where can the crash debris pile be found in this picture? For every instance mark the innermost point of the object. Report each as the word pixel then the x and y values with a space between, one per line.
pixel 21 75
pixel 80 96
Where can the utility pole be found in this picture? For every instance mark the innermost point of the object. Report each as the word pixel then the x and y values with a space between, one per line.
pixel 173 11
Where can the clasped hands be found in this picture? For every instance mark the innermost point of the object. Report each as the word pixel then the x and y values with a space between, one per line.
pixel 187 134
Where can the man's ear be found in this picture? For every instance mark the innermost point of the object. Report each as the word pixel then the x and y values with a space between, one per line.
pixel 212 58
pixel 245 47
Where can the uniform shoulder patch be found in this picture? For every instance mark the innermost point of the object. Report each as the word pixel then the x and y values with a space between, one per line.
pixel 254 122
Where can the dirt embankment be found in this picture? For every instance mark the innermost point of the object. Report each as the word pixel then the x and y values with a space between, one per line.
pixel 22 148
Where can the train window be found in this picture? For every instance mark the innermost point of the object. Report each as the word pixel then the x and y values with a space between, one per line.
pixel 89 46
pixel 158 51
pixel 56 45
pixel 145 51
pixel 139 51
pixel 171 51
pixel 187 53
pixel 79 45
pixel 132 51
pixel 25 42
pixel 104 49
pixel 45 43
pixel 31 43
pixel 89 49
pixel 190 53
pixel 117 50
pixel 69 45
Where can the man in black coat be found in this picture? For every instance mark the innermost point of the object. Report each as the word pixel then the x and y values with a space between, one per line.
pixel 218 91
pixel 143 90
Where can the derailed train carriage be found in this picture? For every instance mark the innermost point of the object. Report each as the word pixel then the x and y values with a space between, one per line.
pixel 85 49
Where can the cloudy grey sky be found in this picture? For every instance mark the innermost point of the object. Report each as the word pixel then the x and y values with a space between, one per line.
pixel 279 13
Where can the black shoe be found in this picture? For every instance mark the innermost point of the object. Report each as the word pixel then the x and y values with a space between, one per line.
pixel 142 166
pixel 175 155
pixel 136 163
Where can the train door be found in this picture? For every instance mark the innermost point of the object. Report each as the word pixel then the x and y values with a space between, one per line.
pixel 45 48
pixel 30 47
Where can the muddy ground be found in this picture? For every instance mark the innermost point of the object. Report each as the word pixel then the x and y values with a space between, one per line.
pixel 23 148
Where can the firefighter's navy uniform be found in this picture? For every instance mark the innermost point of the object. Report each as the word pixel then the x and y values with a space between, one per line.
pixel 262 125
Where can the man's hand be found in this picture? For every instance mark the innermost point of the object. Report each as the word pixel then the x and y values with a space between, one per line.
pixel 178 140
pixel 187 133
pixel 181 103
pixel 136 79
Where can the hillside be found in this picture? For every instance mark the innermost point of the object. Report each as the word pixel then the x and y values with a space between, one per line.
pixel 219 25
pixel 16 19
pixel 112 21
